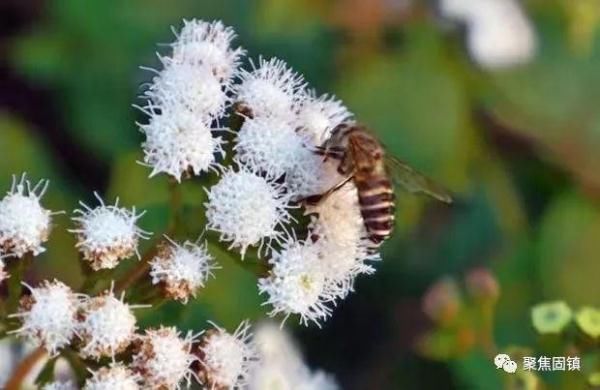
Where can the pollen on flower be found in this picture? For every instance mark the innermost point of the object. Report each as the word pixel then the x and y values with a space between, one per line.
pixel 115 377
pixel 341 238
pixel 181 270
pixel 268 144
pixel 48 315
pixel 208 44
pixel 107 234
pixel 297 283
pixel 106 326
pixel 226 359
pixel 317 117
pixel 163 358
pixel 247 209
pixel 59 385
pixel 271 89
pixel 24 223
pixel 179 143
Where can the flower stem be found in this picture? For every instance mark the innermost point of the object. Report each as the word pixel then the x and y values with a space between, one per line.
pixel 142 268
pixel 15 287
pixel 139 271
pixel 24 368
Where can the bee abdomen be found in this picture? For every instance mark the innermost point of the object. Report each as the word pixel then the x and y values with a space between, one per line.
pixel 376 200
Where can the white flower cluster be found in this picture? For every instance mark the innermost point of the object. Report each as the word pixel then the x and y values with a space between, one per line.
pixel 53 316
pixel 163 358
pixel 107 234
pixel 181 270
pixel 185 99
pixel 276 167
pixel 24 223
pixel 49 315
pixel 499 34
pixel 282 366
pixel 226 359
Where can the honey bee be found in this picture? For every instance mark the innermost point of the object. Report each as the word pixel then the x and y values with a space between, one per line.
pixel 363 160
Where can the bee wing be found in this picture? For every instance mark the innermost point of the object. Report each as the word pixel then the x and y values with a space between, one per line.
pixel 415 182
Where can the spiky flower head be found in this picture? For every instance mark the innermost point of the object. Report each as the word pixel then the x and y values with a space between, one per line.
pixel 107 234
pixel 49 315
pixel 115 377
pixel 297 283
pixel 246 209
pixel 208 44
pixel 60 385
pixel 186 97
pixel 24 223
pixel 179 143
pixel 270 89
pixel 163 358
pixel 268 144
pixel 226 359
pixel 181 270
pixel 106 326
pixel 183 85
pixel 341 238
pixel 318 116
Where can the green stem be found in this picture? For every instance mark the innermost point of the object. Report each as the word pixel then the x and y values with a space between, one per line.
pixel 92 280
pixel 487 329
pixel 76 364
pixel 17 268
pixel 47 373
pixel 175 203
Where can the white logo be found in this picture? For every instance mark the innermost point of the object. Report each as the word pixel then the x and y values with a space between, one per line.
pixel 504 362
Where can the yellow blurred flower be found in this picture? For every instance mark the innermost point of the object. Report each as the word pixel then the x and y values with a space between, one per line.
pixel 588 320
pixel 551 317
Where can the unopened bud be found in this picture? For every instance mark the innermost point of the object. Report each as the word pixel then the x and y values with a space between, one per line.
pixel 482 284
pixel 442 301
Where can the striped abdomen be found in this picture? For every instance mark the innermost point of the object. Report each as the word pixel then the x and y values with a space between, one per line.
pixel 376 199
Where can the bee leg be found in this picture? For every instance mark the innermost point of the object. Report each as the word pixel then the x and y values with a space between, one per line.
pixel 336 153
pixel 315 200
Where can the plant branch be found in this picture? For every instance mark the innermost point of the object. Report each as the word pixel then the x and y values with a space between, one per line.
pixel 24 368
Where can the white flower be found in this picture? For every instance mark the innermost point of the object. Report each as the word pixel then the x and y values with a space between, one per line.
pixel 163 358
pixel 272 89
pixel 341 238
pixel 117 377
pixel 317 117
pixel 310 175
pixel 107 233
pixel 268 144
pixel 499 35
pixel 189 86
pixel 182 270
pixel 297 283
pixel 58 385
pixel 48 315
pixel 246 209
pixel 226 359
pixel 208 44
pixel 281 366
pixel 24 223
pixel 107 326
pixel 178 142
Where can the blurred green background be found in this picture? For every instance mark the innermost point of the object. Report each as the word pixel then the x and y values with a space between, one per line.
pixel 520 147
